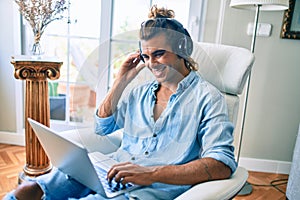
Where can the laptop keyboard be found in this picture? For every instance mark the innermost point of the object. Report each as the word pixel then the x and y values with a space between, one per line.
pixel 111 186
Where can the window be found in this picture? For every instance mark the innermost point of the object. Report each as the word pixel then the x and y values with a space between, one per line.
pixel 72 97
pixel 92 42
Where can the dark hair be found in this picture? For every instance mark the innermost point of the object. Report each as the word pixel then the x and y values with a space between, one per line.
pixel 162 21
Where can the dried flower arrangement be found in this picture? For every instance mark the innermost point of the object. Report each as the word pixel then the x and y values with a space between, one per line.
pixel 39 13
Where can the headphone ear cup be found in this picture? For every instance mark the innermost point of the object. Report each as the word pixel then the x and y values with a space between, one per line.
pixel 140 48
pixel 181 47
pixel 189 46
pixel 185 47
pixel 142 58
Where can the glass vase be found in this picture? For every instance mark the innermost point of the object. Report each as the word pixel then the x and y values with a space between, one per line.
pixel 36 49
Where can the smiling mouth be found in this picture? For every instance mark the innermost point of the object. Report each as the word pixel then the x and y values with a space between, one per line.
pixel 158 71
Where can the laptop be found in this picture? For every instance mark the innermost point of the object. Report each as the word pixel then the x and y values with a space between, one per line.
pixel 73 159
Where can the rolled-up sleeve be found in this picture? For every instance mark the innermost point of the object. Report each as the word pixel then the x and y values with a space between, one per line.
pixel 216 133
pixel 105 126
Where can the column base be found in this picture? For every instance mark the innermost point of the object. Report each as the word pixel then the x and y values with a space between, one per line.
pixel 31 174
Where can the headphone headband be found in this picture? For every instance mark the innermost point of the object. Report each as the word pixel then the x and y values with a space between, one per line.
pixel 183 46
pixel 163 23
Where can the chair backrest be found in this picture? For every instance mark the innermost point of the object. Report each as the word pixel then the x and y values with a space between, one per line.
pixel 227 68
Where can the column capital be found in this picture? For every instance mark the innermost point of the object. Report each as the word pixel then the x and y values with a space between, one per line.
pixel 36 69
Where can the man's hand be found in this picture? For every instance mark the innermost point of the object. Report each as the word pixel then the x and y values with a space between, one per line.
pixel 127 72
pixel 191 173
pixel 129 172
pixel 130 67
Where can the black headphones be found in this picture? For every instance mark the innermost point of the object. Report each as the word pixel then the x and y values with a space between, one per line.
pixel 185 43
pixel 184 46
pixel 141 56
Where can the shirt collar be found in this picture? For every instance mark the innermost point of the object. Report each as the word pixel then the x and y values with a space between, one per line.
pixel 186 82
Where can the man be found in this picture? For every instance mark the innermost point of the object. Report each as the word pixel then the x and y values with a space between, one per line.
pixel 176 131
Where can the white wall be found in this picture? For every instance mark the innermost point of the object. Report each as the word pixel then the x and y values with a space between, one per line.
pixel 273 113
pixel 10 88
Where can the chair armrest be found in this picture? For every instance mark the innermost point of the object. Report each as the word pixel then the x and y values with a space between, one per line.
pixel 219 189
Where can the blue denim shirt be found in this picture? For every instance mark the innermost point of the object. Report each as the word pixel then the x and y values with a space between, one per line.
pixel 194 125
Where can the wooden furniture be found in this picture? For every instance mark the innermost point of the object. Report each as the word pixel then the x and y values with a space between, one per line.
pixel 36 72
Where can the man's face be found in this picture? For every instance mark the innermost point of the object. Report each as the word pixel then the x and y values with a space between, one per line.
pixel 162 62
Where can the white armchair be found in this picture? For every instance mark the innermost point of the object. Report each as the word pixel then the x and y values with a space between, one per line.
pixel 226 67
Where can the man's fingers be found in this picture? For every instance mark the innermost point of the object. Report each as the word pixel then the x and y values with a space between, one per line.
pixel 115 169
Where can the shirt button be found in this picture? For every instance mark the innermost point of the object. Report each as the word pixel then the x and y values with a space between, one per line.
pixel 154 135
pixel 133 158
pixel 146 152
